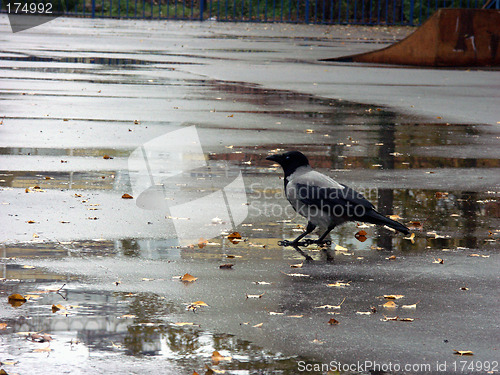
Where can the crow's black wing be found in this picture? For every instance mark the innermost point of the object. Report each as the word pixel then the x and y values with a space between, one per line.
pixel 342 201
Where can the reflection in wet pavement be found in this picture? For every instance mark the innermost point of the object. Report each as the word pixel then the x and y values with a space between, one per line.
pixel 120 299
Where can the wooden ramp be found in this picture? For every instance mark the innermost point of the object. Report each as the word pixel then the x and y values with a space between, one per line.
pixel 450 37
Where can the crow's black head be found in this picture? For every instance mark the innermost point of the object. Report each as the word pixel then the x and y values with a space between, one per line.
pixel 290 161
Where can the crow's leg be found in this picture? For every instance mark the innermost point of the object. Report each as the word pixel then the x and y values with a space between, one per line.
pixel 310 227
pixel 308 258
pixel 321 241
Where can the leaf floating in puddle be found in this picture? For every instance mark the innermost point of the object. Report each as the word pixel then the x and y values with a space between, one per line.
pixel 217 357
pixel 127 196
pixel 361 236
pixel 234 238
pixel 187 278
pixel 16 300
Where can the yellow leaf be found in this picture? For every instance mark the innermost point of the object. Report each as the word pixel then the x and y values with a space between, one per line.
pixel 390 305
pixel 406 319
pixel 217 357
pixel 339 284
pixel 410 238
pixel 340 248
pixel 3 326
pixel 298 265
pixel 258 325
pixel 438 260
pixel 395 217
pixel 187 278
pixel 463 352
pixel 199 303
pixel 295 316
pixel 182 324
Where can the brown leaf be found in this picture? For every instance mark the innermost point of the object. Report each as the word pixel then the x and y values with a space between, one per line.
pixel 393 296
pixel 127 196
pixel 234 238
pixel 56 308
pixel 107 157
pixel 202 243
pixel 333 322
pixel 187 278
pixel 16 300
pixel 226 266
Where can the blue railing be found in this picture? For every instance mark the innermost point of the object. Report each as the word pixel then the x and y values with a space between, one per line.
pixel 354 12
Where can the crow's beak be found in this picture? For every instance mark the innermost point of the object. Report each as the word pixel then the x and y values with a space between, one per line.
pixel 275 158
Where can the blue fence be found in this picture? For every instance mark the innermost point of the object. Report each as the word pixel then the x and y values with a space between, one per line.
pixel 354 12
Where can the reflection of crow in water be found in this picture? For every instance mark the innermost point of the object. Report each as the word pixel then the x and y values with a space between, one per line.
pixel 324 202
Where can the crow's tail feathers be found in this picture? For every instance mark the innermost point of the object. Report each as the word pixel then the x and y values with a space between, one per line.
pixel 374 217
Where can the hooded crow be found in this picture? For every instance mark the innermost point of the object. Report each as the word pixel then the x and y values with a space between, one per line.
pixel 324 202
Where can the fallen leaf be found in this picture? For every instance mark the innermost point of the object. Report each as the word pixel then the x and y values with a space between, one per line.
pixel 276 313
pixel 128 316
pixel 392 257
pixel 298 265
pixel 309 131
pixel 199 303
pixel 16 300
pixel 226 266
pixel 127 196
pixel 217 357
pixel 438 260
pixel 390 305
pixel 387 318
pixel 234 237
pixel 395 217
pixel 333 322
pixel 295 316
pixel 187 278
pixel 331 306
pixel 182 324
pixel 296 274
pixel 3 326
pixel 414 306
pixel 56 308
pixel 463 352
pixel 211 371
pixel 338 284
pixel 363 312
pixel 406 319
pixel 361 236
pixel 107 157
pixel 340 248
pixel 258 325
pixel 255 295
pixel 31 222
pixel 393 296
pixel 410 238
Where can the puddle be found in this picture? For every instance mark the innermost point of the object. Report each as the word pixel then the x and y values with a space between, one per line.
pixel 118 264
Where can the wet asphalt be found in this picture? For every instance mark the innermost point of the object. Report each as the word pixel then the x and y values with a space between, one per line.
pixel 419 143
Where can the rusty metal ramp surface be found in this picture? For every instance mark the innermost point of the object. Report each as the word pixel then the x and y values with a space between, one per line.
pixel 450 37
